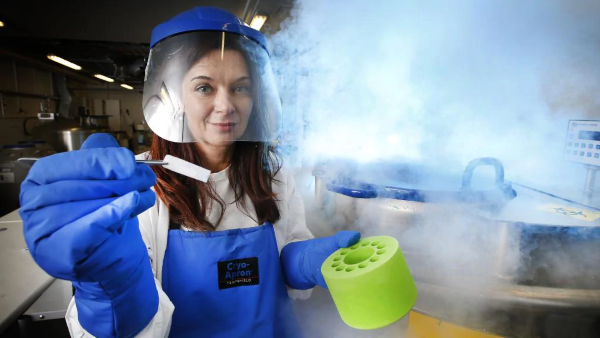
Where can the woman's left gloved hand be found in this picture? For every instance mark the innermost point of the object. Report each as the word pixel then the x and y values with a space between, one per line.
pixel 301 261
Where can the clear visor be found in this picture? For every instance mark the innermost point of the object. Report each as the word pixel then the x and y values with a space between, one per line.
pixel 212 87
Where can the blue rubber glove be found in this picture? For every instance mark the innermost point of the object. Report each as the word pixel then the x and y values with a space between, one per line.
pixel 79 212
pixel 301 261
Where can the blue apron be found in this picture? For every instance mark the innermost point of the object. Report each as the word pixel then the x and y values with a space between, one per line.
pixel 227 284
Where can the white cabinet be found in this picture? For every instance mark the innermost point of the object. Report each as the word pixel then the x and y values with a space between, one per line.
pixel 113 109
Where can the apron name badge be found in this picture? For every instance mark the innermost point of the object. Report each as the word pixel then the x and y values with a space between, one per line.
pixel 238 272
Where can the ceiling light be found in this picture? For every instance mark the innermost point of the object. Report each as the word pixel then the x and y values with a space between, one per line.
pixel 1 24
pixel 105 78
pixel 258 20
pixel 63 62
pixel 126 86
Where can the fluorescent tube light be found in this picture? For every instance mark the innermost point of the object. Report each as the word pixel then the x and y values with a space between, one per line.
pixel 126 86
pixel 258 21
pixel 105 78
pixel 63 62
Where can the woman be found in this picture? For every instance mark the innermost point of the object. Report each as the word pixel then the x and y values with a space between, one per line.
pixel 204 259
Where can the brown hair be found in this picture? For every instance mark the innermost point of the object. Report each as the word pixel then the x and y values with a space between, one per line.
pixel 252 172
pixel 254 164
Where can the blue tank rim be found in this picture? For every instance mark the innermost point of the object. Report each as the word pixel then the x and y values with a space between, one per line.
pixel 361 190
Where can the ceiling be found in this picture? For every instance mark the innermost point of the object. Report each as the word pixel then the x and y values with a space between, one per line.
pixel 110 37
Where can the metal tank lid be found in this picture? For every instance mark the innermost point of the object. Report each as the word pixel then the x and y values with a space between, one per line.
pixel 543 212
pixel 423 183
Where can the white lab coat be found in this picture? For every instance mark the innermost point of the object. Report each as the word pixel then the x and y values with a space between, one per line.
pixel 154 226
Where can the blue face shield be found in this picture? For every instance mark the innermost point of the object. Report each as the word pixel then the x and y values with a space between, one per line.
pixel 211 86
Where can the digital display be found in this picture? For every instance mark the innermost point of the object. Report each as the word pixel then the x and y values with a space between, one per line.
pixel 589 135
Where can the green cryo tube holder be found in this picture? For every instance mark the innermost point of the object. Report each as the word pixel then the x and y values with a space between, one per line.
pixel 370 283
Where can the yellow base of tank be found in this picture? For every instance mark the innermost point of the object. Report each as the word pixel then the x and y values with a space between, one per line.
pixel 421 326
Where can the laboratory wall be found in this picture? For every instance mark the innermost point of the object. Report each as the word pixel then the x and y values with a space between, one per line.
pixel 18 113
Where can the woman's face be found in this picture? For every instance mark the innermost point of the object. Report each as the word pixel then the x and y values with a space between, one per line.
pixel 217 97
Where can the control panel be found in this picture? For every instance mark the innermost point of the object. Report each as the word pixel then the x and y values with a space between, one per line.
pixel 583 142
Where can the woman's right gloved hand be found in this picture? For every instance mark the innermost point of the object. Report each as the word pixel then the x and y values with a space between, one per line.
pixel 79 212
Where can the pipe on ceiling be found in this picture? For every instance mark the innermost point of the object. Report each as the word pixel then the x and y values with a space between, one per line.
pixel 43 65
pixel 28 95
pixel 253 11
pixel 246 11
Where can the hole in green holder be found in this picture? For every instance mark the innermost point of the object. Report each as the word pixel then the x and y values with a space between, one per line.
pixel 335 265
pixel 344 251
pixel 354 246
pixel 363 265
pixel 381 246
pixel 380 252
pixel 337 258
pixel 340 268
pixel 375 243
pixel 374 259
pixel 350 268
pixel 359 256
pixel 365 243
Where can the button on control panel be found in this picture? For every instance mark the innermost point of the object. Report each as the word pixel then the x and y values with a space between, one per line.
pixel 582 143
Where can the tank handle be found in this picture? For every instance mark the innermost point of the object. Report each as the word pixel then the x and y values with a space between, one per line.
pixel 468 173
